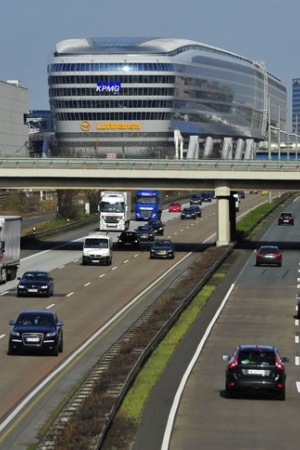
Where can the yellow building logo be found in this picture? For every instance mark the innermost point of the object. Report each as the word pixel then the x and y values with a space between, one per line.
pixel 85 126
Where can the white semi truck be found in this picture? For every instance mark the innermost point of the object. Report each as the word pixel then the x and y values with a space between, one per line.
pixel 115 211
pixel 10 247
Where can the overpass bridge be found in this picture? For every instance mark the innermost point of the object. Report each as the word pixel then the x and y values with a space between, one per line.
pixel 222 175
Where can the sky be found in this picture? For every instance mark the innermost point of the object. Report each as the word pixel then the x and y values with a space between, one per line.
pixel 261 30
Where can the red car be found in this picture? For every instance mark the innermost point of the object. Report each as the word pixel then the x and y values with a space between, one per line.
pixel 175 207
pixel 286 218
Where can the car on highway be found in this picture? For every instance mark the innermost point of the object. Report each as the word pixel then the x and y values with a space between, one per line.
pixel 207 197
pixel 188 213
pixel 196 199
pixel 286 218
pixel 197 209
pixel 163 249
pixel 269 255
pixel 241 194
pixel 35 283
pixel 255 368
pixel 36 330
pixel 128 239
pixel 157 225
pixel 175 207
pixel 145 233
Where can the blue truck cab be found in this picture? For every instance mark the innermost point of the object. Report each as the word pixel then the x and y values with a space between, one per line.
pixel 147 205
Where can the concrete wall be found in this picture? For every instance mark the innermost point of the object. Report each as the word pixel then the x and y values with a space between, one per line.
pixel 14 104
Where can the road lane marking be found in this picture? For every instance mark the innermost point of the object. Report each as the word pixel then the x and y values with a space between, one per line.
pixel 87 284
pixel 298 386
pixel 297 360
pixel 69 295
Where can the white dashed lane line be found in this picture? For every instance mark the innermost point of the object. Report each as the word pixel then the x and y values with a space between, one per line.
pixel 87 284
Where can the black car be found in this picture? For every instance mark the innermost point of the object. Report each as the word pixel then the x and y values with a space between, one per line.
pixel 270 255
pixel 255 368
pixel 162 248
pixel 286 218
pixel 128 239
pixel 38 330
pixel 188 213
pixel 145 233
pixel 197 209
pixel 195 199
pixel 35 283
pixel 157 225
pixel 241 194
pixel 207 197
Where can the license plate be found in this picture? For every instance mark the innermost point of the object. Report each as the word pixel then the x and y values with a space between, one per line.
pixel 257 372
pixel 269 256
pixel 32 290
pixel 95 260
pixel 33 339
pixel 161 253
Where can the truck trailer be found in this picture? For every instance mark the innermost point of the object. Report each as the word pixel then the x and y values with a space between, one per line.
pixel 10 247
pixel 115 211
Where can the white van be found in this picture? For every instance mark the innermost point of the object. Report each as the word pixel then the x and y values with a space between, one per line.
pixel 97 249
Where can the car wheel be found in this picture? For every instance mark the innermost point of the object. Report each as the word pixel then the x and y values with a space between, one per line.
pixel 61 346
pixel 83 262
pixel 280 264
pixel 228 392
pixel 55 350
pixel 11 350
pixel 18 294
pixel 48 293
pixel 281 395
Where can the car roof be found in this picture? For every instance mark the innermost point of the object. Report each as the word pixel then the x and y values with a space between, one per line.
pixel 256 347
pixel 36 271
pixel 37 311
pixel 271 247
pixel 287 212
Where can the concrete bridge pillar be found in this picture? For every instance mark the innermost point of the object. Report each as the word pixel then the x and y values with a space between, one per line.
pixel 223 216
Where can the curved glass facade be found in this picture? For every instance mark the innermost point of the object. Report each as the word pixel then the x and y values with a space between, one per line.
pixel 109 95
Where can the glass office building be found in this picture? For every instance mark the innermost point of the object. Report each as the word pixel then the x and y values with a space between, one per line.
pixel 296 105
pixel 127 96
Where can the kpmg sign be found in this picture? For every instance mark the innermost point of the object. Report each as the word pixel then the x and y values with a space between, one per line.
pixel 108 86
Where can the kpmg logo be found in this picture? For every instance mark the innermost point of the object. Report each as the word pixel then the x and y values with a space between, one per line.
pixel 109 86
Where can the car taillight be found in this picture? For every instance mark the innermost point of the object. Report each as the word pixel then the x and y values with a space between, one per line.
pixel 233 363
pixel 277 255
pixel 279 364
pixel 260 255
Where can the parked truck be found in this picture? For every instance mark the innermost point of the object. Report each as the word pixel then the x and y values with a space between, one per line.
pixel 10 247
pixel 115 211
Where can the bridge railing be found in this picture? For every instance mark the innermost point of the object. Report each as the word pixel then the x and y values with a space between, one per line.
pixel 149 164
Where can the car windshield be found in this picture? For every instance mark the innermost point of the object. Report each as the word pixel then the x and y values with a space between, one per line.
pixel 34 276
pixel 162 244
pixel 96 243
pixel 145 229
pixel 31 319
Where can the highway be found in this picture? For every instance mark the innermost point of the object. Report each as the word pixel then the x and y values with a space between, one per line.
pixel 253 305
pixel 94 304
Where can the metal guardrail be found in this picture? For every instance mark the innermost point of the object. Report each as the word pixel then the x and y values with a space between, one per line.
pixel 58 230
pixel 149 164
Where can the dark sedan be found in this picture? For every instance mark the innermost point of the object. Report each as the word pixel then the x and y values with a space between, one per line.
pixel 197 209
pixel 188 213
pixel 162 248
pixel 128 239
pixel 145 233
pixel 255 368
pixel 157 225
pixel 270 255
pixel 35 283
pixel 36 330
